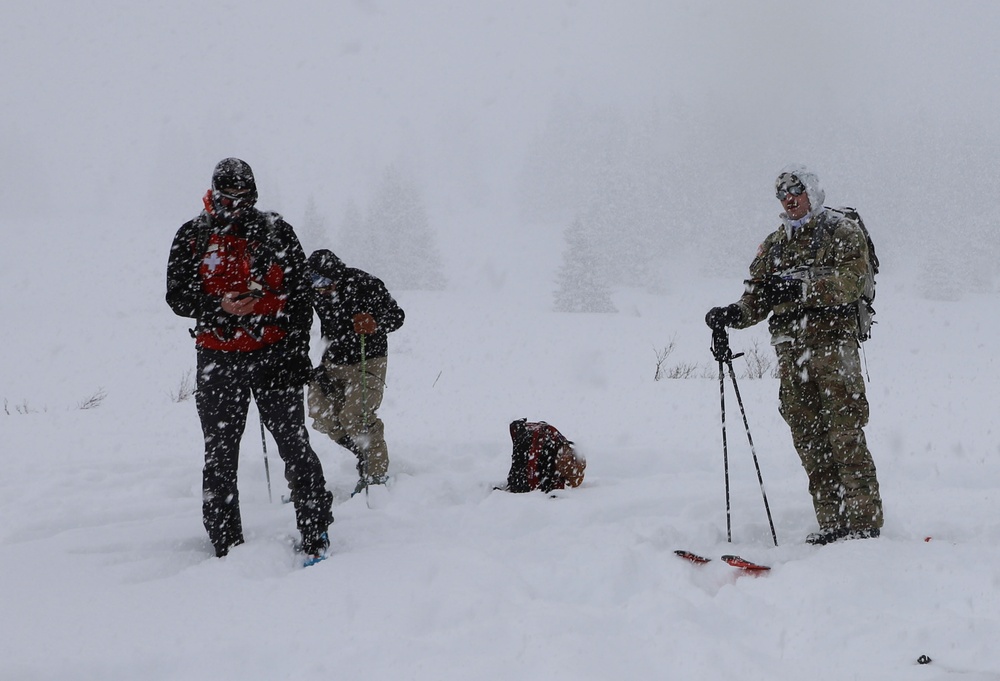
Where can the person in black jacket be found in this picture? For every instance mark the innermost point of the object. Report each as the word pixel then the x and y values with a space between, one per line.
pixel 241 274
pixel 356 312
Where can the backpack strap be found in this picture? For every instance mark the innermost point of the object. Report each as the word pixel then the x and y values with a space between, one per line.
pixel 517 478
pixel 203 225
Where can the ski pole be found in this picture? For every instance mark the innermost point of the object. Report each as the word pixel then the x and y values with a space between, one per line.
pixel 364 416
pixel 725 452
pixel 267 468
pixel 753 450
pixel 721 351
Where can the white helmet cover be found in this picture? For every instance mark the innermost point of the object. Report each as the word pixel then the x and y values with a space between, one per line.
pixel 796 173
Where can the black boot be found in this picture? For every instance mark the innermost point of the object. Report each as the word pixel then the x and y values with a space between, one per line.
pixel 833 534
pixel 826 536
pixel 221 517
pixel 364 480
pixel 222 550
pixel 870 533
pixel 315 545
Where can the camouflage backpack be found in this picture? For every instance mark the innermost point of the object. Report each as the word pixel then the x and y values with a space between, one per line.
pixel 866 312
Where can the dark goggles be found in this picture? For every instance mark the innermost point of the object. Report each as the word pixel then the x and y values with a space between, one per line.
pixel 794 190
pixel 235 197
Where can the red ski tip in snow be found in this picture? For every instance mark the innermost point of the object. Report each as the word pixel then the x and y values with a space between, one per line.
pixel 693 557
pixel 736 561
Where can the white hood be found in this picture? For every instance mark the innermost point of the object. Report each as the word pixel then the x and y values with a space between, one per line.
pixel 813 190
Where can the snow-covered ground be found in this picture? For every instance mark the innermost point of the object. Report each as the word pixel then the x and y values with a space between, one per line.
pixel 106 573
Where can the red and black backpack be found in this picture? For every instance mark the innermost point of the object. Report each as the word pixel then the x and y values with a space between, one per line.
pixel 542 458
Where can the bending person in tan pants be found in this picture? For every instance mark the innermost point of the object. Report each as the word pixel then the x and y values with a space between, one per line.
pixel 356 313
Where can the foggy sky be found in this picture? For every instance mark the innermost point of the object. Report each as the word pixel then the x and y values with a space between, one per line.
pixel 113 106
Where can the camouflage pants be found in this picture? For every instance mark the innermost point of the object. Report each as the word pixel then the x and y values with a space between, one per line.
pixel 344 404
pixel 822 398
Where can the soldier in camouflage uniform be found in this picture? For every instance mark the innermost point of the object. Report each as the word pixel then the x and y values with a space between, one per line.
pixel 808 275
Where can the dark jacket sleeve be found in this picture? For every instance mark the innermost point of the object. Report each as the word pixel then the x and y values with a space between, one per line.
pixel 383 307
pixel 184 293
pixel 297 315
pixel 753 302
pixel 357 292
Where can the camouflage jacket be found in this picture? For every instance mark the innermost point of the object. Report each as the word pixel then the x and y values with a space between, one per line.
pixel 830 255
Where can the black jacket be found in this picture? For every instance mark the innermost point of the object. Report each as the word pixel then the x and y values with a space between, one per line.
pixel 277 244
pixel 356 292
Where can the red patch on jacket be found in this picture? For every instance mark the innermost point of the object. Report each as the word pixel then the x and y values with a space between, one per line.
pixel 226 266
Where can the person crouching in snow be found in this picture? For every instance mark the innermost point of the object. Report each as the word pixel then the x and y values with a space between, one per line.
pixel 356 313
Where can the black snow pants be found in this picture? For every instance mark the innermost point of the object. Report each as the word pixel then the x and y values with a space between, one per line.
pixel 225 383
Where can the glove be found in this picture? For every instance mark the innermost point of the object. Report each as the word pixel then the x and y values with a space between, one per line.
pixel 777 291
pixel 320 378
pixel 364 324
pixel 720 345
pixel 721 317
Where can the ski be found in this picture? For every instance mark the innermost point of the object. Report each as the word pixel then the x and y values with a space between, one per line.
pixel 744 564
pixel 693 557
pixel 735 561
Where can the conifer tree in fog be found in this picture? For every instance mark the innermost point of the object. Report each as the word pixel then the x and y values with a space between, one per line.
pixel 314 232
pixel 353 240
pixel 582 278
pixel 616 166
pixel 398 245
pixel 940 278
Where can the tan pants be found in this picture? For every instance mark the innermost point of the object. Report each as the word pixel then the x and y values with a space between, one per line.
pixel 345 404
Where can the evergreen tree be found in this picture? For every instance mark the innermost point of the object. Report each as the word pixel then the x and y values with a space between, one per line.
pixel 313 232
pixel 616 165
pixel 582 277
pixel 399 246
pixel 352 237
pixel 940 279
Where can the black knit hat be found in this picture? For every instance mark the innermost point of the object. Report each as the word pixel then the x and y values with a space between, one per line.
pixel 326 264
pixel 234 189
pixel 233 173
